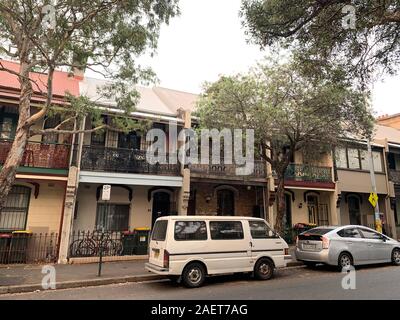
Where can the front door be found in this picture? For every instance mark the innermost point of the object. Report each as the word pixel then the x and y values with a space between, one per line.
pixel 161 205
pixel 226 203
pixel 287 218
pixel 354 211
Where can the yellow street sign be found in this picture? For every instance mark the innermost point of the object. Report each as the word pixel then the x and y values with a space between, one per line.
pixel 373 199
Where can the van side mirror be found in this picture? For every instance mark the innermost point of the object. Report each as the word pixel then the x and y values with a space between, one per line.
pixel 271 234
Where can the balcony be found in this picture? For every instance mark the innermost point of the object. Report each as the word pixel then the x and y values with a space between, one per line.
pixel 39 155
pixel 394 176
pixel 121 160
pixel 227 171
pixel 308 175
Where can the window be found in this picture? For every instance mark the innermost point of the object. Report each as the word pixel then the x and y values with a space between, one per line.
pixel 226 230
pixel 260 230
pixel 50 123
pixel 14 214
pixel 349 233
pixel 98 138
pixel 129 141
pixel 341 158
pixel 8 125
pixel 364 159
pixel 112 217
pixel 369 234
pixel 377 157
pixel 354 159
pixel 190 230
pixel 160 230
pixel 357 159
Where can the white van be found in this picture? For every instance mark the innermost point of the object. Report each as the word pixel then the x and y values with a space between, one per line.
pixel 192 247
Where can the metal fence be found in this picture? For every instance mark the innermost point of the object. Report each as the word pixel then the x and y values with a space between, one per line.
pixel 17 248
pixel 89 243
pixel 110 243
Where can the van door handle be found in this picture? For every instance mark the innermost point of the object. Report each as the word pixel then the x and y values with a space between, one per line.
pixel 251 244
pixel 349 242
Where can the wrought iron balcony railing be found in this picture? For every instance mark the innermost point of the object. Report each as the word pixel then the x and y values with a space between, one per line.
pixel 308 173
pixel 123 161
pixel 228 170
pixel 39 155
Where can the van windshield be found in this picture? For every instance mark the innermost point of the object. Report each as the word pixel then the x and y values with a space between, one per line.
pixel 160 230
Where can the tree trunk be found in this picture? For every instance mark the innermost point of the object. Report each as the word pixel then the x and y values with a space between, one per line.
pixel 280 203
pixel 16 153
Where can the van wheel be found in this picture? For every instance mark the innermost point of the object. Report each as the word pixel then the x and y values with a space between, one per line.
pixel 396 257
pixel 193 275
pixel 264 269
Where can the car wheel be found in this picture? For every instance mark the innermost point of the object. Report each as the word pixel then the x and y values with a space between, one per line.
pixel 396 257
pixel 264 269
pixel 345 261
pixel 193 275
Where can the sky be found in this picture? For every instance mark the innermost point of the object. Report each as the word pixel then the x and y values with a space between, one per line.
pixel 207 40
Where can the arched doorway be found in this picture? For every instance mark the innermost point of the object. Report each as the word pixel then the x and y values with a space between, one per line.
pixel 354 210
pixel 161 205
pixel 225 202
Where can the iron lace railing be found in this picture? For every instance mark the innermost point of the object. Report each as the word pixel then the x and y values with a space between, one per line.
pixel 124 161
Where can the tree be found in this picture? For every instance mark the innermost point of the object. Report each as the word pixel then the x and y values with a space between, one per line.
pixel 362 35
pixel 288 111
pixel 102 35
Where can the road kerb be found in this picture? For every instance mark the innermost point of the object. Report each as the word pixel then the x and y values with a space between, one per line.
pixel 94 282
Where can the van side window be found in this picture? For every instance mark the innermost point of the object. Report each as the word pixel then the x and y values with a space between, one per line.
pixel 260 230
pixel 190 230
pixel 226 230
pixel 160 230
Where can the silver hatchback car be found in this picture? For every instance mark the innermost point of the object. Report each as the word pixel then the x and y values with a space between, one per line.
pixel 345 246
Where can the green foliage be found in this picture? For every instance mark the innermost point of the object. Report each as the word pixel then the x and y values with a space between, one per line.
pixel 106 36
pixel 314 28
pixel 288 110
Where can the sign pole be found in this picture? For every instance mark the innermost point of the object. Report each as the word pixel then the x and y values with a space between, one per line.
pixel 378 222
pixel 106 196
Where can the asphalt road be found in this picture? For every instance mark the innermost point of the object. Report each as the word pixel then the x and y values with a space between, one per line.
pixel 372 282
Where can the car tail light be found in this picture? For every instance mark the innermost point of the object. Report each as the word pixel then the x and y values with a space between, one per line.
pixel 325 243
pixel 286 251
pixel 166 259
pixel 297 241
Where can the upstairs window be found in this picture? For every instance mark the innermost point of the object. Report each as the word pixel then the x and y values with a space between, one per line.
pixel 357 159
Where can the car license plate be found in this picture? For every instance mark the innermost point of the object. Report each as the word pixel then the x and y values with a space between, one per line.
pixel 309 246
pixel 156 253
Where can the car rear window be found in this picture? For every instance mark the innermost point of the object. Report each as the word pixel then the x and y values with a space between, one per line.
pixel 160 230
pixel 190 230
pixel 226 230
pixel 314 234
pixel 318 231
